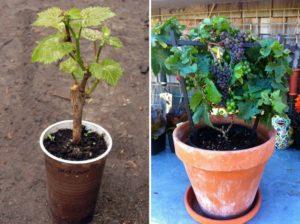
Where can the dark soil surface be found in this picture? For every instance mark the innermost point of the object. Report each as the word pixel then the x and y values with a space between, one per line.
pixel 238 138
pixel 34 96
pixel 60 145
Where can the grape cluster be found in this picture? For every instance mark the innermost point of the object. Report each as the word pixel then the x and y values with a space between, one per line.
pixel 189 82
pixel 246 67
pixel 231 106
pixel 235 44
pixel 223 77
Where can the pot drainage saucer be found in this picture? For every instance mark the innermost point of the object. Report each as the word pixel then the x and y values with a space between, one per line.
pixel 194 210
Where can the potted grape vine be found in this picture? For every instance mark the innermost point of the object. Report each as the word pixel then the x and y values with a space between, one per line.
pixel 76 150
pixel 225 155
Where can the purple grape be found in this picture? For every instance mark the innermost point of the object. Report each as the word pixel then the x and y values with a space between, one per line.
pixel 222 74
pixel 235 44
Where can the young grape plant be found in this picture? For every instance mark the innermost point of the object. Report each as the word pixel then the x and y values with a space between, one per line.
pixel 71 27
pixel 231 69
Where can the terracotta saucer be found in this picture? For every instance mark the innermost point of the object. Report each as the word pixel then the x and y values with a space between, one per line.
pixel 194 210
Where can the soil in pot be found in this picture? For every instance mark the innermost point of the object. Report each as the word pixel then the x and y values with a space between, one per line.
pixel 238 137
pixel 60 145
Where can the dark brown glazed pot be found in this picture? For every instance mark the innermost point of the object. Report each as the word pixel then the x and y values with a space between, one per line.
pixel 73 186
pixel 294 82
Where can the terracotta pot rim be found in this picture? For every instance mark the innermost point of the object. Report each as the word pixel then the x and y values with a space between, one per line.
pixel 224 160
pixel 296 69
pixel 204 219
pixel 68 124
pixel 272 133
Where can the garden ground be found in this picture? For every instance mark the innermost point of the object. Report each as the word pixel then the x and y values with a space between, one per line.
pixel 34 96
pixel 279 186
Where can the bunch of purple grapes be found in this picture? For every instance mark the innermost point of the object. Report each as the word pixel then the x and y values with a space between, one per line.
pixel 222 74
pixel 235 44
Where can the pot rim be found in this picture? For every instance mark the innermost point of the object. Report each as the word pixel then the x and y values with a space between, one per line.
pixel 88 123
pixel 224 160
pixel 272 134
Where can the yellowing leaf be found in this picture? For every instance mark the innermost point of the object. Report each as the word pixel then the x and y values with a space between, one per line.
pixel 91 34
pixel 94 16
pixel 109 71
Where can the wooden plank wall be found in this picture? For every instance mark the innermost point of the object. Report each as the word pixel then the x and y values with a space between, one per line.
pixel 263 17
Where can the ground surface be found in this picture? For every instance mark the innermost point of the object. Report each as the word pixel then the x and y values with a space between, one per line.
pixel 34 96
pixel 280 188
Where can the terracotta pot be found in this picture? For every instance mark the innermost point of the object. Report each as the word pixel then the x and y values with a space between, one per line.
pixel 294 82
pixel 73 186
pixel 297 104
pixel 225 182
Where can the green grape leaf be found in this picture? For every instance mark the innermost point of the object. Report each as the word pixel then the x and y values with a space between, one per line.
pixel 109 71
pixel 198 114
pixel 279 70
pixel 265 97
pixel 74 13
pixel 51 17
pixel 188 69
pixel 247 110
pixel 265 52
pixel 278 105
pixel 172 63
pixel 266 45
pixel 195 100
pixel 238 71
pixel 203 66
pixel 221 24
pixel 71 66
pixel 277 48
pixel 202 112
pixel 115 42
pixel 51 49
pixel 91 34
pixel 158 59
pixel 94 16
pixel 105 33
pixel 206 117
pixel 213 95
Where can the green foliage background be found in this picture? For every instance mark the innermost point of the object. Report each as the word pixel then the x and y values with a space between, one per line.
pixel 258 91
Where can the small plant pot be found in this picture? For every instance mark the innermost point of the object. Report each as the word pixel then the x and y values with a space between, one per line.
pixel 225 182
pixel 284 132
pixel 294 82
pixel 158 144
pixel 73 186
